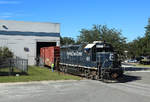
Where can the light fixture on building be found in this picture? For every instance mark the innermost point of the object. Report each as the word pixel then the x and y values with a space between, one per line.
pixel 5 27
pixel 26 49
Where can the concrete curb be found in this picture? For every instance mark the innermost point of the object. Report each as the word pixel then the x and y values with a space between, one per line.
pixel 36 82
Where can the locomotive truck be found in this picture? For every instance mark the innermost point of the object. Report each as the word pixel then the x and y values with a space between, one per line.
pixel 96 60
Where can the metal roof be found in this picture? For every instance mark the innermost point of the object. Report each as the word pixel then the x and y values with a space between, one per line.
pixel 89 46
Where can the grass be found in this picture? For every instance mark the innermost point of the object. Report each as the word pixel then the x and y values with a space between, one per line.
pixel 34 74
pixel 141 65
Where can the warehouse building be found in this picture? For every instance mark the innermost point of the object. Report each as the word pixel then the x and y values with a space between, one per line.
pixel 25 39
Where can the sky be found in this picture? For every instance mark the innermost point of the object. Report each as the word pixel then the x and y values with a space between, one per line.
pixel 129 16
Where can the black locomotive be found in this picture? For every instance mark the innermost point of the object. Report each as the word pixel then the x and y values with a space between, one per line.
pixel 95 61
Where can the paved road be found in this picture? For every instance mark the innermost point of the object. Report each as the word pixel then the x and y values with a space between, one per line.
pixel 140 74
pixel 142 77
pixel 76 91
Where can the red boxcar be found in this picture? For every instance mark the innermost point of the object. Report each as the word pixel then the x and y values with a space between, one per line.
pixel 50 55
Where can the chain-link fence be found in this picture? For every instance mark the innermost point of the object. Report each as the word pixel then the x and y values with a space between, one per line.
pixel 11 63
pixel 21 64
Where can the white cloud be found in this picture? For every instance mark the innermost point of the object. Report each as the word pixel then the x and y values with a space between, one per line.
pixel 5 16
pixel 6 13
pixel 9 2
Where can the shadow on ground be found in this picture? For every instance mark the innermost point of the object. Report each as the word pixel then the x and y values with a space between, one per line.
pixel 12 74
pixel 128 78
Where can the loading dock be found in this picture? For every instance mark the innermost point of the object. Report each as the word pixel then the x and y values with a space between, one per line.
pixel 43 44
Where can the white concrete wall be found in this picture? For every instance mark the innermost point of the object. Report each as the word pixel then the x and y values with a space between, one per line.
pixel 17 43
pixel 22 26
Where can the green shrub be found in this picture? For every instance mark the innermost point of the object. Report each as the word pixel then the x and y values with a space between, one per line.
pixel 5 52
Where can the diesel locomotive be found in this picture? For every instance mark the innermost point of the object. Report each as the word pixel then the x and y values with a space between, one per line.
pixel 96 60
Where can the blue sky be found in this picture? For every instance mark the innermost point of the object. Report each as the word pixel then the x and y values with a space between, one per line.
pixel 129 16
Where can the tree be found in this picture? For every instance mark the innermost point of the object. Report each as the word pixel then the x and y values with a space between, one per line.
pixel 135 47
pixel 5 53
pixel 147 38
pixel 102 32
pixel 89 35
pixel 141 45
pixel 66 40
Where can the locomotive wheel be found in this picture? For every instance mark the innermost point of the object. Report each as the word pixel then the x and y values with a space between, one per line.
pixel 91 77
pixel 65 70
pixel 96 77
pixel 86 74
pixel 61 68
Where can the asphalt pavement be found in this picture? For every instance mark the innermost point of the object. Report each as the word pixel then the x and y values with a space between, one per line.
pixel 133 90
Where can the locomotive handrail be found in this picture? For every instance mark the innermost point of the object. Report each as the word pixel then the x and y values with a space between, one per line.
pixel 110 66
